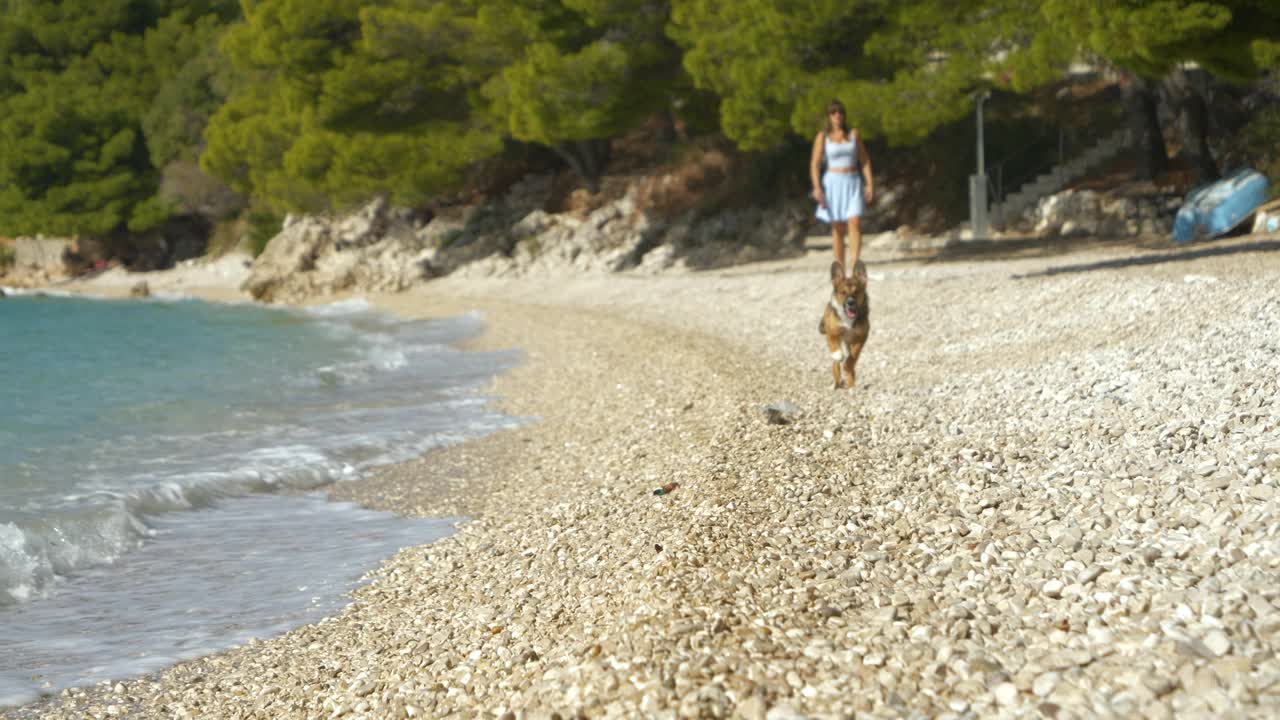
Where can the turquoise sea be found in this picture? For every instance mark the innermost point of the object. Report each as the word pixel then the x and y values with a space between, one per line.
pixel 161 468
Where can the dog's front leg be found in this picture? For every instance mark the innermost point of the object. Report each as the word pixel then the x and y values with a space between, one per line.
pixel 836 357
pixel 851 361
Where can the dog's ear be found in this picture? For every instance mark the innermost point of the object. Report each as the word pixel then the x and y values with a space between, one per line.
pixel 837 271
pixel 860 273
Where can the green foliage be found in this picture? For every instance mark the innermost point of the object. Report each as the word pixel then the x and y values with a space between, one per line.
pixel 1266 53
pixel 53 35
pixel 1261 141
pixel 263 225
pixel 71 159
pixel 903 69
pixel 190 88
pixel 150 214
pixel 225 236
pixel 765 59
pixel 313 105
pixel 907 68
pixel 78 79
pixel 590 70
pixel 1235 39
pixel 7 257
pixel 340 100
pixel 552 96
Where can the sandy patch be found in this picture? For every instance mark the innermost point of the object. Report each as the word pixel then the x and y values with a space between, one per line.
pixel 216 279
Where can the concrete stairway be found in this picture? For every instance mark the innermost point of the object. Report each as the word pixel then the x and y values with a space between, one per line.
pixel 1059 177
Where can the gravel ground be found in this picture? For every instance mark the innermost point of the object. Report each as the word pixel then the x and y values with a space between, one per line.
pixel 1052 494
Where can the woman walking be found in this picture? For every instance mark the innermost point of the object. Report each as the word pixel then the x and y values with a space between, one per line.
pixel 846 186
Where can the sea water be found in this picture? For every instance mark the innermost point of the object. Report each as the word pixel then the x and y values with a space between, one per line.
pixel 161 467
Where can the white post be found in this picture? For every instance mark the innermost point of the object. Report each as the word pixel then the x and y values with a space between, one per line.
pixel 978 183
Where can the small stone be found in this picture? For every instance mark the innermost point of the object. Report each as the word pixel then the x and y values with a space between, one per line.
pixel 1189 645
pixel 1045 684
pixel 1006 693
pixel 887 614
pixel 1159 684
pixel 784 711
pixel 1053 588
pixel 363 689
pixel 1218 643
pixel 1231 667
pixel 753 708
pixel 780 413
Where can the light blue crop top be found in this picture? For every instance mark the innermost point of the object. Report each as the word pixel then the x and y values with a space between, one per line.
pixel 841 156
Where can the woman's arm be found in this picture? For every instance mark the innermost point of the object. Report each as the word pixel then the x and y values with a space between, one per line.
pixel 864 162
pixel 815 169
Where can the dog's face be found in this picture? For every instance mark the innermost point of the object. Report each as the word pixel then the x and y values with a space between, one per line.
pixel 849 293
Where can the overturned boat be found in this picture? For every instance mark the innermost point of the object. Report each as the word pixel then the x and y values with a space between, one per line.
pixel 1217 208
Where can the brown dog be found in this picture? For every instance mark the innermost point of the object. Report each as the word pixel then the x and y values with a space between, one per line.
pixel 846 321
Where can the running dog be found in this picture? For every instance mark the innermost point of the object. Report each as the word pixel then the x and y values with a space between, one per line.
pixel 845 321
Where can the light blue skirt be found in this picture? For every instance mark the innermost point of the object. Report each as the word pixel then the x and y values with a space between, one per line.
pixel 844 197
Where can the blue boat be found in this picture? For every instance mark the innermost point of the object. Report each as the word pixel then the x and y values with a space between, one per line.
pixel 1216 208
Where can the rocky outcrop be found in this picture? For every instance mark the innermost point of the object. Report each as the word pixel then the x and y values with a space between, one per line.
pixel 371 250
pixel 41 258
pixel 617 238
pixel 380 248
pixel 1079 213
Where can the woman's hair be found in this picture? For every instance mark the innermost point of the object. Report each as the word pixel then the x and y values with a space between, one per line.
pixel 844 117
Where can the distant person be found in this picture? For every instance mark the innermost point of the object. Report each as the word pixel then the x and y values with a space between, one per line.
pixel 846 187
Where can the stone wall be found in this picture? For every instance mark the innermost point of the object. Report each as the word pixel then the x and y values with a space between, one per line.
pixel 1086 213
pixel 40 258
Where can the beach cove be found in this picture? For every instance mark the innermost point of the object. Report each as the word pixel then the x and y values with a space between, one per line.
pixel 1053 492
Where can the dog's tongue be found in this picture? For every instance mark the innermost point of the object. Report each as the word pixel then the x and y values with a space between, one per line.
pixel 851 312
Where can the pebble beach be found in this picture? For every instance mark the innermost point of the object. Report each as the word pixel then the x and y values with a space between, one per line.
pixel 1053 493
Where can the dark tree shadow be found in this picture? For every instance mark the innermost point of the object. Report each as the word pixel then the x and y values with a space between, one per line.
pixel 1181 255
pixel 1037 247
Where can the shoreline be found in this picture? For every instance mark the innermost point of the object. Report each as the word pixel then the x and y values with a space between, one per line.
pixel 923 544
pixel 177 285
pixel 395 488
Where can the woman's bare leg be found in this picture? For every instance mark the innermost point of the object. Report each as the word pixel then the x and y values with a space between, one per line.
pixel 838 231
pixel 855 241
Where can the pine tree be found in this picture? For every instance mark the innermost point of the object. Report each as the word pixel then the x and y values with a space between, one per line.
pixel 584 73
pixel 1155 41
pixel 902 68
pixel 340 100
pixel 77 78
